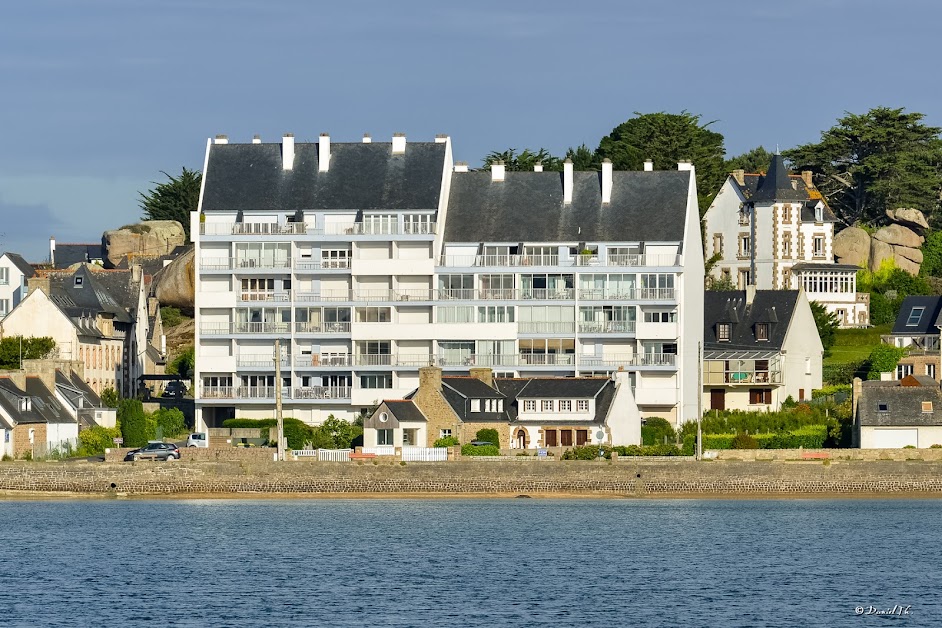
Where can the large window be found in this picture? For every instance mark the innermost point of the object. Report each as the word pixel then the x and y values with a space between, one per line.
pixel 496 314
pixel 373 315
pixel 760 396
pixel 384 437
pixel 418 223
pixel 335 258
pixel 376 380
pixel 497 286
pixel 380 223
pixel 262 254
pixel 546 286
pixel 4 276
pixel 454 314
pixel 456 286
pixel 659 286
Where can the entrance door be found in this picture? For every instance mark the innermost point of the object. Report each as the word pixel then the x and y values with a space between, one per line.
pixel 717 399
pixel 521 439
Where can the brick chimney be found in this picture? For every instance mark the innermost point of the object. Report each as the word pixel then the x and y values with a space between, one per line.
pixel 38 283
pixel 740 176
pixel 483 374
pixel 430 378
pixel 806 176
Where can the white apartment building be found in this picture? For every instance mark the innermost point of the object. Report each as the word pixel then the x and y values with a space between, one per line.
pixel 369 260
pixel 775 231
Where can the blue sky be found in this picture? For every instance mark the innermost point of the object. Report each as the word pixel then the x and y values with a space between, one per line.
pixel 98 96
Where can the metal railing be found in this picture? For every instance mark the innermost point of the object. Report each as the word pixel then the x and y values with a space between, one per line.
pixel 343 359
pixel 424 454
pixel 607 327
pixel 260 361
pixel 321 264
pixel 261 328
pixel 742 376
pixel 322 328
pixel 546 328
pixel 381 228
pixel 624 260
pixel 264 295
pixel 322 392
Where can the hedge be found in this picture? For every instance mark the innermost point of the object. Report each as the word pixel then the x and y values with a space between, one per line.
pixel 480 450
pixel 844 373
pixel 809 437
pixel 591 452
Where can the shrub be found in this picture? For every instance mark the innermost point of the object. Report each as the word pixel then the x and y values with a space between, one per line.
pixel 830 391
pixel 909 447
pixel 882 359
pixel 94 440
pixel 183 364
pixel 110 398
pixel 248 423
pixel 134 428
pixel 844 374
pixel 490 435
pixel 587 452
pixel 7 458
pixel 447 441
pixel 171 421
pixel 480 450
pixel 170 316
pixel 935 446
pixel 655 429
pixel 340 433
pixel 651 450
pixel 744 441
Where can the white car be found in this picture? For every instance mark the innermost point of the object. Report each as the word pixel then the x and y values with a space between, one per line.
pixel 198 439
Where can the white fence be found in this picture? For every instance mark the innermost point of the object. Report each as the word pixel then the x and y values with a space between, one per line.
pixel 424 454
pixel 324 455
pixel 380 450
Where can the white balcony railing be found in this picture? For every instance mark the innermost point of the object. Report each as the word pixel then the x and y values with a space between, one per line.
pixel 322 392
pixel 314 360
pixel 260 361
pixel 625 260
pixel 546 328
pixel 322 328
pixel 264 295
pixel 606 327
pixel 252 228
pixel 301 264
pixel 217 392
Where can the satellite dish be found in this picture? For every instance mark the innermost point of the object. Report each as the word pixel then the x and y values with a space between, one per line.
pixel 600 435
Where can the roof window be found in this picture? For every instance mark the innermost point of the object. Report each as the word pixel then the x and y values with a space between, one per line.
pixel 915 316
pixel 927 406
pixel 883 407
pixel 762 331
pixel 78 281
pixel 723 332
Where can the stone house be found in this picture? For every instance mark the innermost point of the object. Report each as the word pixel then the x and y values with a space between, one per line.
pixel 775 231
pixel 917 330
pixel 760 347
pixel 892 414
pixel 526 412
pixel 37 420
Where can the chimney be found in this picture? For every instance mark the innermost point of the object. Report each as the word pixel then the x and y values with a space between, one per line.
pixel 38 283
pixel 750 294
pixel 648 165
pixel 52 250
pixel 684 164
pixel 323 153
pixel 483 374
pixel 538 166
pixel 256 139
pixel 606 180
pixel 497 171
pixel 399 143
pixel 430 378
pixel 567 182
pixel 806 177
pixel 163 344
pixel 367 139
pixel 222 139
pixel 137 271
pixel 740 176
pixel 287 151
pixel 18 377
pixel 441 139
pixel 461 166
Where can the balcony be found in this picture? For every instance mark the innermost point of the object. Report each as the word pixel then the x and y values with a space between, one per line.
pixel 607 327
pixel 373 360
pixel 322 392
pixel 918 344
pixel 323 296
pixel 547 328
pixel 261 392
pixel 515 260
pixel 322 328
pixel 215 329
pixel 261 328
pixel 261 264
pixel 329 360
pixel 264 295
pixel 252 228
pixel 372 228
pixel 730 369
pixel 308 264
pixel 217 392
pixel 261 361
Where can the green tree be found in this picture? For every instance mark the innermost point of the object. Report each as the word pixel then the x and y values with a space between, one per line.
pixel 94 440
pixel 584 158
pixel 666 138
pixel 134 427
pixel 883 359
pixel 827 325
pixel 525 160
pixel 13 348
pixel 866 164
pixel 110 398
pixel 173 199
pixel 932 255
pixel 488 435
pixel 756 160
pixel 183 364
pixel 341 433
pixel 171 421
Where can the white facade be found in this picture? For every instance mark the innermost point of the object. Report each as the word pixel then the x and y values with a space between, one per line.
pixel 921 437
pixel 360 299
pixel 12 285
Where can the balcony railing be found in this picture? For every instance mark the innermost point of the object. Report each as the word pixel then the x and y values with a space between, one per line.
pixel 917 344
pixel 322 328
pixel 261 328
pixel 322 392
pixel 625 260
pixel 607 327
pixel 260 361
pixel 264 295
pixel 217 392
pixel 261 392
pixel 373 360
pixel 546 328
pixel 745 375
pixel 321 264
pixel 252 228
pixel 381 228
pixel 312 360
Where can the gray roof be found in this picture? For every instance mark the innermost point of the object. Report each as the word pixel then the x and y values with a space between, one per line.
pixel 803 266
pixel 93 295
pixel 24 267
pixel 774 307
pixel 68 254
pixel 74 387
pixel 927 322
pixel 776 185
pixel 360 176
pixel 903 403
pixel 566 388
pixel 405 411
pixel 528 207
pixel 471 387
pixel 45 402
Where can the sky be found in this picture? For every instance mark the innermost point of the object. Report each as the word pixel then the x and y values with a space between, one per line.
pixel 98 97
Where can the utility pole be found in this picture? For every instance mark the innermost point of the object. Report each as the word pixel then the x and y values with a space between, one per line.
pixel 699 449
pixel 278 418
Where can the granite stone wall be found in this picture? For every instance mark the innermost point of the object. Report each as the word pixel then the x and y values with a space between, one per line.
pixel 635 478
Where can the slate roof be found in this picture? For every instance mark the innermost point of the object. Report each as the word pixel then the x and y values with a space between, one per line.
pixel 803 266
pixel 73 386
pixel 91 296
pixel 360 176
pixel 929 321
pixel 778 185
pixel 471 387
pixel 24 267
pixel 405 411
pixel 68 254
pixel 45 402
pixel 563 388
pixel 10 395
pixel 775 307
pixel 903 404
pixel 528 207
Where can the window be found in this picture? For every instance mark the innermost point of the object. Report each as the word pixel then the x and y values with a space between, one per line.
pixel 4 276
pixel 818 246
pixel 496 314
pixel 723 331
pixel 547 405
pixel 927 406
pixel 718 243
pixel 760 396
pixel 807 366
pixel 454 314
pixel 335 258
pixel 529 405
pixel 444 433
pixel 373 315
pixel 418 223
pixel 4 307
pixel 660 317
pixel 883 407
pixel 904 370
pixel 915 315
pixel 744 215
pixel 384 437
pixel 819 214
pixel 745 246
pixel 745 278
pixel 383 416
pixel 565 405
pixel 762 331
pixel 930 370
pixel 475 405
pixel 787 245
pixel 582 405
pixel 376 380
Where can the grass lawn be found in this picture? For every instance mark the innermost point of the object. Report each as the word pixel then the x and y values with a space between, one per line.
pixel 853 345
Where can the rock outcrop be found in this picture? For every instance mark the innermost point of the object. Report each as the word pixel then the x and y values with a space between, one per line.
pixel 176 283
pixel 900 241
pixel 150 238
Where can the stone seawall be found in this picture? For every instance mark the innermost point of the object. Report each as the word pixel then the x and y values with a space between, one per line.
pixel 477 478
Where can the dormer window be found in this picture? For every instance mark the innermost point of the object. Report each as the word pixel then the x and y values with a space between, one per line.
pixel 927 406
pixel 762 331
pixel 475 405
pixel 819 213
pixel 915 315
pixel 25 405
pixel 78 281
pixel 529 405
pixel 723 331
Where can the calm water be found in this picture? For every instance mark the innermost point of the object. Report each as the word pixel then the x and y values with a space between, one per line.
pixel 469 562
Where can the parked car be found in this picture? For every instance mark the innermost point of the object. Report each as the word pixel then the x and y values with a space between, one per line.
pixel 154 451
pixel 175 389
pixel 198 439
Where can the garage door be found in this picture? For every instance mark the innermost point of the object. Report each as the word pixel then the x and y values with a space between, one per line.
pixel 896 438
